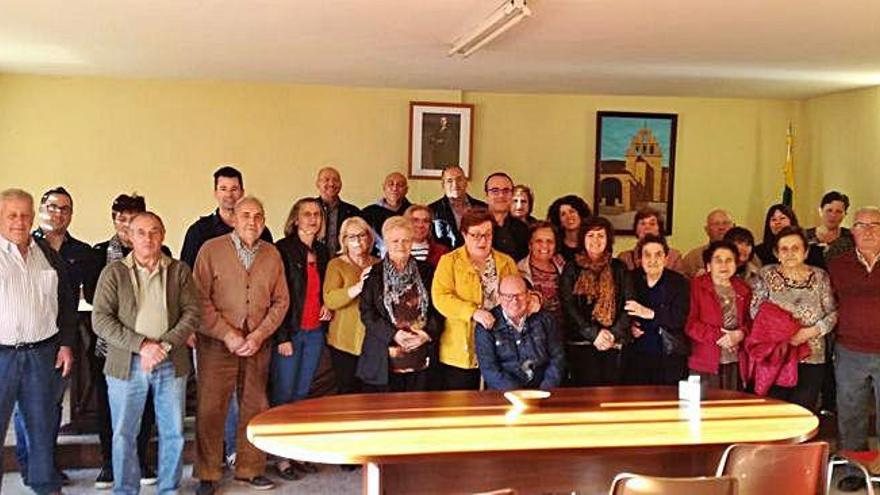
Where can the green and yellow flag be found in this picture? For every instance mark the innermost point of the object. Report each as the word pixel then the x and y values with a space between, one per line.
pixel 788 171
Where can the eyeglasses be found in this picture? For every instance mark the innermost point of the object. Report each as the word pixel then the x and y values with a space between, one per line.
pixel 52 208
pixel 866 225
pixel 511 297
pixel 480 237
pixel 353 237
pixel 499 191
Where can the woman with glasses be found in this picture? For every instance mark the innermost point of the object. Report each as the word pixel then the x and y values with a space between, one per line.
pixel 299 340
pixel 593 290
pixel 464 290
pixel 401 324
pixel 424 246
pixel 342 288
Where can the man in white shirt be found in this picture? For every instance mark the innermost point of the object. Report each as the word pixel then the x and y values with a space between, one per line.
pixel 36 334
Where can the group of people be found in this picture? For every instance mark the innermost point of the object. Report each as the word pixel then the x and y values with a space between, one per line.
pixel 396 297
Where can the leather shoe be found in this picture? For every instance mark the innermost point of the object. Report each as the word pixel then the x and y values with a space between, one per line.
pixel 206 488
pixel 851 483
pixel 288 473
pixel 258 482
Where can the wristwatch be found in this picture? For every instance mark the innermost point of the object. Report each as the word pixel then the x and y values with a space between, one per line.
pixel 166 346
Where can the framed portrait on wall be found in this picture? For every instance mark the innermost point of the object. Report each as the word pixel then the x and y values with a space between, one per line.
pixel 440 135
pixel 635 166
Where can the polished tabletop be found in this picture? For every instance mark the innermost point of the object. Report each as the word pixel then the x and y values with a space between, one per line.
pixel 347 429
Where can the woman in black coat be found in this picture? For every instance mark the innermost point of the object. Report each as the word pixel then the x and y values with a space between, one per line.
pixel 659 310
pixel 593 289
pixel 401 324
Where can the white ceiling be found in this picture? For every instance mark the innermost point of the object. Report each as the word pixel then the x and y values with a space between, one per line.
pixel 737 48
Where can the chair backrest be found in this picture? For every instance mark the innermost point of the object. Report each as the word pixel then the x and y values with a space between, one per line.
pixel 780 469
pixel 634 484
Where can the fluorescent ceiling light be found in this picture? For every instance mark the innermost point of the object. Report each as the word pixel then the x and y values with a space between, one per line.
pixel 507 15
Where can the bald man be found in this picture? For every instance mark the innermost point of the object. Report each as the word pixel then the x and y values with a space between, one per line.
pixel 521 350
pixel 329 184
pixel 393 202
pixel 244 298
pixel 718 222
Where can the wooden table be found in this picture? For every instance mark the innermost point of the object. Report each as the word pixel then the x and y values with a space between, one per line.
pixel 577 440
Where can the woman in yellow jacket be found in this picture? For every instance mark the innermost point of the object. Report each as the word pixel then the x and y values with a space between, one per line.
pixel 464 290
pixel 343 283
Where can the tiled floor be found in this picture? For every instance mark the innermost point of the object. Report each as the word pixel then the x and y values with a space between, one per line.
pixel 329 480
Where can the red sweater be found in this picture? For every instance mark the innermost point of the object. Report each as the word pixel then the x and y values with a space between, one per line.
pixel 858 297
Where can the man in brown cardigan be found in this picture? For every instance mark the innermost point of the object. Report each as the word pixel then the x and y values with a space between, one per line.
pixel 244 298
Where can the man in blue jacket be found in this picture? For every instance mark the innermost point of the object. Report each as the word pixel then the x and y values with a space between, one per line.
pixel 521 350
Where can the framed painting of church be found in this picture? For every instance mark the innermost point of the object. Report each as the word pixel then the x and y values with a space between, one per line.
pixel 635 167
pixel 440 135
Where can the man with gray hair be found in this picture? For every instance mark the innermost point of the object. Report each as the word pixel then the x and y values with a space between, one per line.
pixel 244 299
pixel 718 222
pixel 146 307
pixel 857 350
pixel 38 331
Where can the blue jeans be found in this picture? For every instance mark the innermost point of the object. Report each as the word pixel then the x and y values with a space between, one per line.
pixel 231 426
pixel 21 441
pixel 29 377
pixel 127 399
pixel 857 373
pixel 292 375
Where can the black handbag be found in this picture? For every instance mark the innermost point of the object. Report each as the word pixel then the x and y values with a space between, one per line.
pixel 674 344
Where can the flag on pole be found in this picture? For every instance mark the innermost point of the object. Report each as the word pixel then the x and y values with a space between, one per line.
pixel 788 170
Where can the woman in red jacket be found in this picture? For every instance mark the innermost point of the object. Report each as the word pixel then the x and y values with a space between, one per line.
pixel 719 319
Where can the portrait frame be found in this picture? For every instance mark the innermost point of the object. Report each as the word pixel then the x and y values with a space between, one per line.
pixel 634 167
pixel 440 134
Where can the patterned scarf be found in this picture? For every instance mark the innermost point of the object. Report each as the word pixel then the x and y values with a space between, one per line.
pixel 489 284
pixel 115 250
pixel 596 283
pixel 400 284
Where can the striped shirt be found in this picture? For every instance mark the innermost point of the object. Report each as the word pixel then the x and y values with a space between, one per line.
pixel 245 254
pixel 420 250
pixel 28 295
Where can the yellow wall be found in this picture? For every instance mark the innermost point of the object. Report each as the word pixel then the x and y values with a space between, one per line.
pixel 841 139
pixel 100 137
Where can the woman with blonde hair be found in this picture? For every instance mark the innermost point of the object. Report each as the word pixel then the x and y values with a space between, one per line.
pixel 343 284
pixel 401 324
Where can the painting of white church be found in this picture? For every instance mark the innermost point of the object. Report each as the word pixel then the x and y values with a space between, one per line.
pixel 635 159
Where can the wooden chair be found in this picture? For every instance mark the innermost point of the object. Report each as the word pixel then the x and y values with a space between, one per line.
pixel 634 484
pixel 780 469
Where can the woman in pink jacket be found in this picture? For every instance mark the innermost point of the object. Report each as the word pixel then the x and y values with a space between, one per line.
pixel 719 319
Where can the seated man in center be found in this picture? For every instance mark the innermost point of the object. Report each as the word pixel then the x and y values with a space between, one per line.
pixel 521 350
